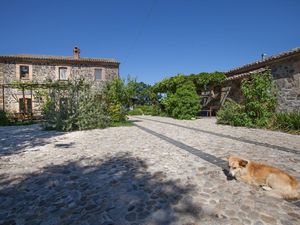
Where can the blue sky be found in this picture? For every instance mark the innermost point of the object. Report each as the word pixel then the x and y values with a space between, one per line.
pixel 153 39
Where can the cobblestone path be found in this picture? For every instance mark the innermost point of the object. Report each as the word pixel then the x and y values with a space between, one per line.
pixel 159 171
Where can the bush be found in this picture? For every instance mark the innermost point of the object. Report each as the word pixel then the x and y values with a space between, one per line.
pixel 117 99
pixel 260 99
pixel 152 110
pixel 4 118
pixel 76 107
pixel 233 114
pixel 184 103
pixel 116 112
pixel 259 105
pixel 286 122
pixel 135 112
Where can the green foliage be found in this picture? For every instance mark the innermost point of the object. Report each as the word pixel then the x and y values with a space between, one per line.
pixel 144 110
pixel 4 118
pixel 138 92
pixel 184 103
pixel 258 107
pixel 116 112
pixel 287 122
pixel 200 81
pixel 135 112
pixel 115 92
pixel 117 98
pixel 260 99
pixel 233 114
pixel 170 84
pixel 77 107
pixel 181 93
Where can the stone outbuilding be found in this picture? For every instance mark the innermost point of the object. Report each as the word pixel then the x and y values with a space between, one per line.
pixel 40 69
pixel 285 71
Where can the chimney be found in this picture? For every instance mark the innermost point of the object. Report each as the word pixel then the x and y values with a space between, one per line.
pixel 76 53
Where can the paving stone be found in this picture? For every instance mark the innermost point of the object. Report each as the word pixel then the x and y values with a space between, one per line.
pixel 131 217
pixel 164 171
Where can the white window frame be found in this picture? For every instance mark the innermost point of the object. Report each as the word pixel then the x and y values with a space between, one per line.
pixel 58 72
pixel 60 69
pixel 102 73
pixel 18 72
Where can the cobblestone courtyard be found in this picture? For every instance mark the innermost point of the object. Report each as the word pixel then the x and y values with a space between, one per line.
pixel 159 171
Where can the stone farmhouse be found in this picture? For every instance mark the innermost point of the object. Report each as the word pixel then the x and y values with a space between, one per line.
pixel 40 69
pixel 285 70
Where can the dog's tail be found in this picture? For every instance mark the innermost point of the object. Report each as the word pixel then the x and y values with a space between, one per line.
pixel 291 194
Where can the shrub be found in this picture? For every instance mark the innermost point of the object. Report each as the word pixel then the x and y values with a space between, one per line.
pixel 117 99
pixel 157 111
pixel 135 112
pixel 116 112
pixel 76 107
pixel 233 114
pixel 259 105
pixel 4 118
pixel 260 99
pixel 184 103
pixel 146 109
pixel 152 110
pixel 286 121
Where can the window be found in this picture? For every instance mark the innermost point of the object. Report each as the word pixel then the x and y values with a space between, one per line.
pixel 98 74
pixel 24 72
pixel 62 73
pixel 25 105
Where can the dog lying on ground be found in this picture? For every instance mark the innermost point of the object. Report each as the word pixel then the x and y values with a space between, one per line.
pixel 268 177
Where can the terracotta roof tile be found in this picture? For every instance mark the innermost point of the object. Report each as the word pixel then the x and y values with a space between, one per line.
pixel 57 58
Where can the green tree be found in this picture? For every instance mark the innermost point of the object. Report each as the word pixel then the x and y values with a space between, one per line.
pixel 184 103
pixel 139 93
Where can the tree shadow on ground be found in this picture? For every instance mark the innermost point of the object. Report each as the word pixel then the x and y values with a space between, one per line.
pixel 114 190
pixel 14 139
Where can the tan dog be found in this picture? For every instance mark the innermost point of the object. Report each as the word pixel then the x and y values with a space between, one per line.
pixel 268 177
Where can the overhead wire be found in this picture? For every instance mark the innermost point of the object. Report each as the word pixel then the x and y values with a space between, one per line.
pixel 140 30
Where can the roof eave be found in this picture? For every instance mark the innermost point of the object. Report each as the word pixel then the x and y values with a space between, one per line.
pixel 264 63
pixel 65 60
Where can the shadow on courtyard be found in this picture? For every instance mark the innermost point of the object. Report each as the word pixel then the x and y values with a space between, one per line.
pixel 14 139
pixel 117 190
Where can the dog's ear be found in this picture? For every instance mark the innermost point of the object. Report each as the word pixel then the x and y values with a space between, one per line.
pixel 243 163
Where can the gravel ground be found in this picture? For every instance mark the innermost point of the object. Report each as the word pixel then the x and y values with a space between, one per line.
pixel 160 171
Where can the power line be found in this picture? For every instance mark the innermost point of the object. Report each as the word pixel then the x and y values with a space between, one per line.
pixel 140 31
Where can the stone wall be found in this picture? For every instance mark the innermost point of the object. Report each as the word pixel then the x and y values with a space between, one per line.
pixel 286 75
pixel 41 72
